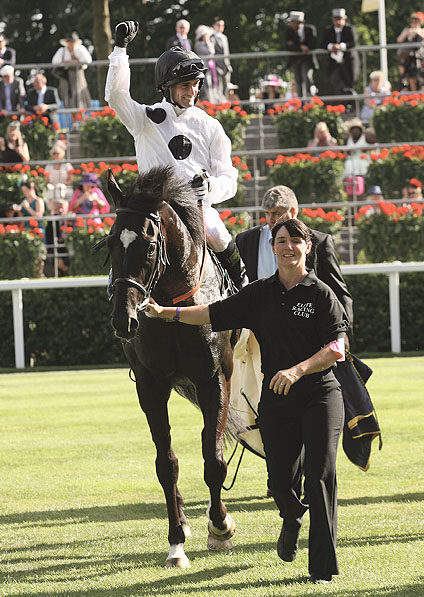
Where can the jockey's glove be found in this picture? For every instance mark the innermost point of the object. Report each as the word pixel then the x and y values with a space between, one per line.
pixel 201 184
pixel 125 32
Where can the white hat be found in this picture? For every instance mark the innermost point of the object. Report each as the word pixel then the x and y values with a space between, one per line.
pixel 338 13
pixel 296 15
pixel 7 70
pixel 202 30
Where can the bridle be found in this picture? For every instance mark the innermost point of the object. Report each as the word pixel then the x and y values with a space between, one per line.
pixel 160 263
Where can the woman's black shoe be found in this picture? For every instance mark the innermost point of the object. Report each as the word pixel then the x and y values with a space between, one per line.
pixel 288 543
pixel 321 581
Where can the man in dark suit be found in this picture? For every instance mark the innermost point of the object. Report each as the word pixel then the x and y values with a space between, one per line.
pixel 43 100
pixel 221 45
pixel 12 91
pixel 7 55
pixel 302 38
pixel 255 248
pixel 180 38
pixel 340 40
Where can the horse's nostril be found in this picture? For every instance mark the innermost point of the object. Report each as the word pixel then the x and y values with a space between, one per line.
pixel 132 324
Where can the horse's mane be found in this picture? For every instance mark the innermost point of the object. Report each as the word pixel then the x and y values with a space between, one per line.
pixel 160 185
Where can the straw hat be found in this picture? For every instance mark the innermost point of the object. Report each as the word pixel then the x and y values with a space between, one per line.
pixel 355 122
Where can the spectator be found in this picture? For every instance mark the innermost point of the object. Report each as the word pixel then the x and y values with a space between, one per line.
pixel 55 235
pixel 204 47
pixel 60 177
pixel 355 164
pixel 88 198
pixel 43 100
pixel 32 206
pixel 322 137
pixel 413 189
pixel 343 64
pixel 255 247
pixel 377 86
pixel 7 55
pixel 301 38
pixel 375 194
pixel 180 39
pixel 408 59
pixel 223 65
pixel 232 95
pixel 8 211
pixel 73 89
pixel 270 89
pixel 12 91
pixel 12 145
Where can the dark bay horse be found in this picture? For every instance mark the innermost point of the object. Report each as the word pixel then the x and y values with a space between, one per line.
pixel 157 247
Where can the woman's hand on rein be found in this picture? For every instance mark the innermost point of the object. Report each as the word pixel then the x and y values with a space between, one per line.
pixel 153 310
pixel 283 381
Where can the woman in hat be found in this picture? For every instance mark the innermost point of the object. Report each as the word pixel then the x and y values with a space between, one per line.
pixel 12 146
pixel 355 164
pixel 89 198
pixel 73 89
pixel 205 47
pixel 60 175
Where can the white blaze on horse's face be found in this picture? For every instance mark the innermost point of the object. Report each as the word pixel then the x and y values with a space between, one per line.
pixel 127 237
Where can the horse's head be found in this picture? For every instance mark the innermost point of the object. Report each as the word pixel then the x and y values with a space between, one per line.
pixel 137 249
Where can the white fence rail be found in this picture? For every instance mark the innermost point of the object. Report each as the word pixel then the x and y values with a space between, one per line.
pixel 392 270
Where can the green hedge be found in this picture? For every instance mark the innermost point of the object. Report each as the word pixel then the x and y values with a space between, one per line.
pixel 71 327
pixel 396 235
pixel 400 118
pixel 312 178
pixel 391 169
pixel 296 124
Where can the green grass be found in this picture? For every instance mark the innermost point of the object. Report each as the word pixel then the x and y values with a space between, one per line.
pixel 82 513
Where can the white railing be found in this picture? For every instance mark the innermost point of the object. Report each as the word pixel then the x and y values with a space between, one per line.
pixel 17 286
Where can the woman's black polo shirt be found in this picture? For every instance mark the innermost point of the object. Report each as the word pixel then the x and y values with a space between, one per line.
pixel 290 326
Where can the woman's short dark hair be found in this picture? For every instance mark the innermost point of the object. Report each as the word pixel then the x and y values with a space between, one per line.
pixel 294 227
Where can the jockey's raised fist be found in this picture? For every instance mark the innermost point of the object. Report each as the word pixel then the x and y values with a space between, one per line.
pixel 125 32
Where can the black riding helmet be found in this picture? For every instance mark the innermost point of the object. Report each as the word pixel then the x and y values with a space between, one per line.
pixel 177 65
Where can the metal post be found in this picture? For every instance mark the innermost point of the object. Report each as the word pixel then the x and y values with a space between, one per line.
pixel 394 310
pixel 382 33
pixel 18 328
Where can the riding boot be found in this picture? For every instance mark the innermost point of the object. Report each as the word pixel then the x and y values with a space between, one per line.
pixel 230 259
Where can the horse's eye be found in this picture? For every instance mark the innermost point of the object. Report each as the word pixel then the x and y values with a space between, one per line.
pixel 151 249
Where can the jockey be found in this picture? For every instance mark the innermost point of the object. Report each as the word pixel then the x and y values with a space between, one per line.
pixel 175 133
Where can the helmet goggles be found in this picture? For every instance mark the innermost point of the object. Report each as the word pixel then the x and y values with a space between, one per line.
pixel 186 70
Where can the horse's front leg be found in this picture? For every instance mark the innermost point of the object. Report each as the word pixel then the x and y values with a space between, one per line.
pixel 214 400
pixel 154 402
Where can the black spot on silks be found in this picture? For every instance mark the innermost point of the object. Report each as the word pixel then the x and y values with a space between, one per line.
pixel 180 147
pixel 157 115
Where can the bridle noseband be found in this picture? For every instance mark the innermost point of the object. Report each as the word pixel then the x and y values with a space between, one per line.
pixel 160 263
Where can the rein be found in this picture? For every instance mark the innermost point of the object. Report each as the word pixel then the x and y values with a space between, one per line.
pixel 186 295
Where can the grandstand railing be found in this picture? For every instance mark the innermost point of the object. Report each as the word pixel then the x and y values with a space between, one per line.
pixel 392 270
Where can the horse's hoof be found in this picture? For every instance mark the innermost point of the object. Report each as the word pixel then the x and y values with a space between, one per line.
pixel 177 557
pixel 186 530
pixel 217 544
pixel 177 563
pixel 220 538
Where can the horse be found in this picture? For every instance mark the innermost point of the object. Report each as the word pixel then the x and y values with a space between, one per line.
pixel 157 247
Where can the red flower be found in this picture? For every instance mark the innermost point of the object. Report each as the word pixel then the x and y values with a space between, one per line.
pixel 247 176
pixel 269 163
pixel 225 214
pixel 232 220
pixel 415 182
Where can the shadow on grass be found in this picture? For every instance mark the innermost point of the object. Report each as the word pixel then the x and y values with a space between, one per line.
pixel 377 499
pixel 123 512
pixel 152 510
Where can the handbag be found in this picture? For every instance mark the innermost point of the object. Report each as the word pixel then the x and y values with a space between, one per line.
pixel 60 72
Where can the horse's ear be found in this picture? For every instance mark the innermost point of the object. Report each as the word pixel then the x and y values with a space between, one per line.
pixel 113 188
